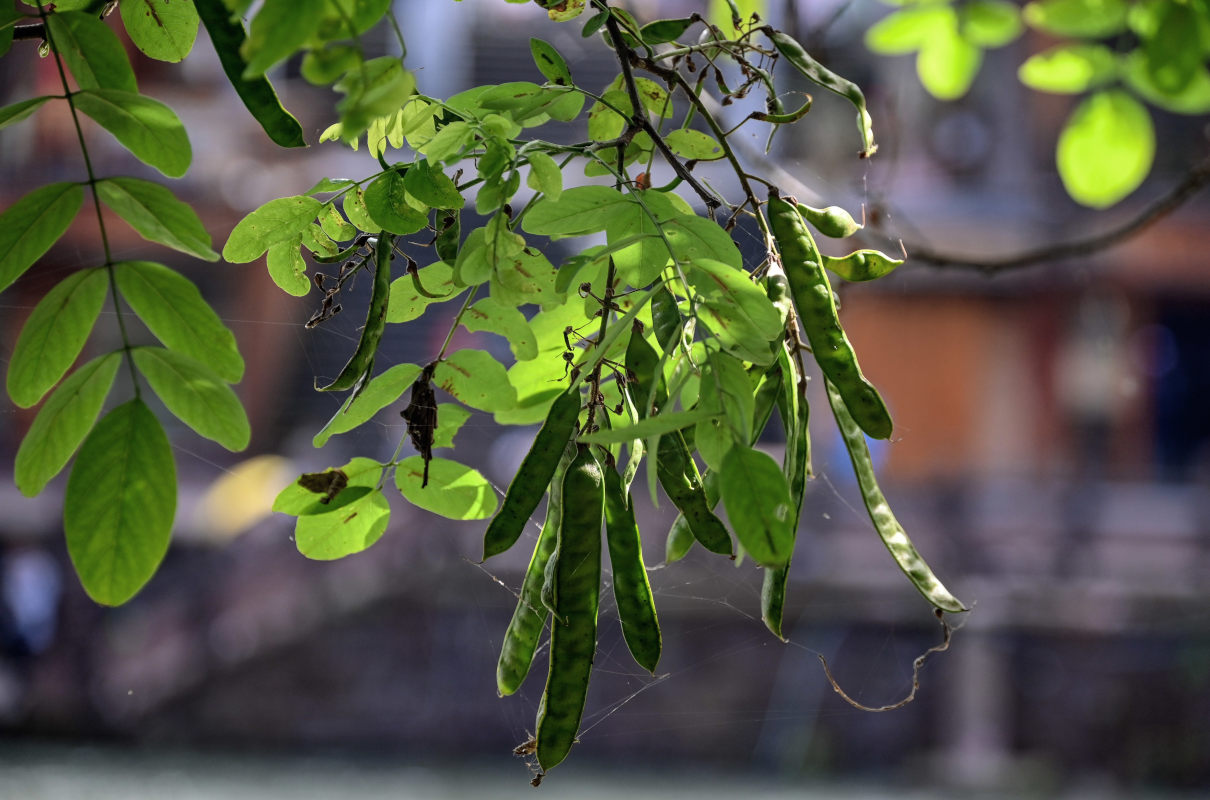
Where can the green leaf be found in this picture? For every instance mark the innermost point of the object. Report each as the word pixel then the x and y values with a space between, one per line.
pixel 647 427
pixel 276 221
pixel 172 308
pixel 154 211
pixel 147 128
pixel 448 142
pixel 489 315
pixel 692 144
pixel 527 277
pixel 1108 128
pixel 378 88
pixel 450 418
pixel 377 394
pixel 1069 68
pixel 163 29
pixel 18 111
pixel 990 23
pixel 120 503
pixel 653 97
pixel 278 29
pixel 578 211
pixel 947 63
pixel 1086 19
pixel 454 490
pixel 197 396
pixel 334 225
pixel 349 528
pixel 354 205
pixel 1193 99
pixel 32 224
pixel 54 335
pixel 386 202
pixel 604 123
pixel 476 379
pixel 550 63
pixel 8 15
pixel 287 267
pixel 1174 50
pixel 432 186
pixel 664 30
pixel 544 175
pixel 694 238
pixel 758 504
pixel 408 302
pixel 227 35
pixel 62 423
pixel 92 51
pixel 908 30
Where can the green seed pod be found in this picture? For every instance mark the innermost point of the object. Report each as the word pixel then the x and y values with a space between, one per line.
pixel 631 588
pixel 573 634
pixel 833 221
pixel 534 474
pixel 817 313
pixel 362 360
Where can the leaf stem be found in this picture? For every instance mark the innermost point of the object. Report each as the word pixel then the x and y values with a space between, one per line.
pixel 68 94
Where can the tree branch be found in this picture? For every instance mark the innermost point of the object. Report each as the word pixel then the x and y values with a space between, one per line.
pixel 1196 179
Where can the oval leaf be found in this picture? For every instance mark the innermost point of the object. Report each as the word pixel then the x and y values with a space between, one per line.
pixel 476 379
pixel 276 221
pixel 197 396
pixel 119 504
pixel 62 423
pixel 1108 128
pixel 92 51
pixel 154 211
pixel 55 334
pixel 32 224
pixel 692 144
pixel 377 395
pixel 577 211
pixel 454 490
pixel 758 504
pixel 349 527
pixel 1069 68
pixel 386 202
pixel 550 63
pixel 162 29
pixel 173 309
pixel 489 315
pixel 147 128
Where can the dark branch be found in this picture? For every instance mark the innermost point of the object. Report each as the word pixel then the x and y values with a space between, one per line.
pixel 35 31
pixel 1193 182
pixel 638 118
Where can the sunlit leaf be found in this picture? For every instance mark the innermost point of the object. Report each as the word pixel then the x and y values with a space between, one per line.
pixel 162 29
pixel 1106 148
pixel 62 423
pixel 349 528
pixel 1069 68
pixel 147 128
pixel 454 490
pixel 120 503
pixel 32 224
pixel 276 221
pixel 757 499
pixel 1088 19
pixel 173 309
pixel 154 211
pixel 278 29
pixel 377 394
pixel 476 379
pixel 54 335
pixel 92 51
pixel 197 396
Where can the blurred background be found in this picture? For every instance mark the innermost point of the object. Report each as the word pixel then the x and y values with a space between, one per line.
pixel 1051 461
